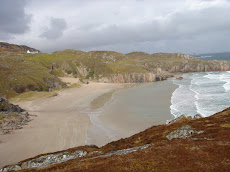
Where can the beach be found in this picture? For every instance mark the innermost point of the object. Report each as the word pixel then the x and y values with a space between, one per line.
pixel 74 118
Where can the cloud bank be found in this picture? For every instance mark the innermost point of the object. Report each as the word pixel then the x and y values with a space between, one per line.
pixel 13 19
pixel 191 26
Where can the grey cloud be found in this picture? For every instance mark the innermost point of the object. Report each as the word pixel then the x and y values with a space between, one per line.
pixel 56 29
pixel 188 25
pixel 134 26
pixel 13 18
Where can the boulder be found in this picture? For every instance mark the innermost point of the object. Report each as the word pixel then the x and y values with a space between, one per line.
pixel 180 118
pixel 179 78
pixel 85 81
pixel 6 106
pixel 197 116
pixel 182 133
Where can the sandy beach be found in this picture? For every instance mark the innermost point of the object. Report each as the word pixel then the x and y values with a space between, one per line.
pixel 60 123
pixel 74 118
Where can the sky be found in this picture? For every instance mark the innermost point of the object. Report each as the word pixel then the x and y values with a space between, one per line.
pixel 182 26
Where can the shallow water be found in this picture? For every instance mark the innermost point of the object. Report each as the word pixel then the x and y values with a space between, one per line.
pixel 130 111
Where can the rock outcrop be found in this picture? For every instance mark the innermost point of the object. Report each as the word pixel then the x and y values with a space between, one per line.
pixel 199 67
pixel 82 70
pixel 123 151
pixel 46 160
pixel 182 133
pixel 12 117
pixel 129 78
pixel 54 83
pixel 6 106
pixel 183 118
pixel 56 158
pixel 133 78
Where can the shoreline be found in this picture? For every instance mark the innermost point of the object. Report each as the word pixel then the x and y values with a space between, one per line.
pixel 116 125
pixel 68 111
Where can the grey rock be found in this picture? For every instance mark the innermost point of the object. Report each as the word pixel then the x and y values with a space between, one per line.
pixel 104 80
pixel 5 105
pixel 85 81
pixel 54 83
pixel 51 159
pixel 182 133
pixel 11 168
pixel 120 152
pixel 179 78
pixel 177 119
pixel 197 116
pixel 95 152
pixel 82 70
pixel 14 117
pixel 132 78
pixel 125 151
pixel 46 160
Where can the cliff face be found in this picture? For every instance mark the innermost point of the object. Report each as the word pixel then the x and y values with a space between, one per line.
pixel 135 77
pixel 12 49
pixel 200 67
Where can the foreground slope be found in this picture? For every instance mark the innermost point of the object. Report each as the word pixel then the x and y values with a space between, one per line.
pixel 206 150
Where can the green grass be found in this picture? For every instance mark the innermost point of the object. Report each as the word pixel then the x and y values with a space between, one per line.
pixel 75 85
pixel 32 95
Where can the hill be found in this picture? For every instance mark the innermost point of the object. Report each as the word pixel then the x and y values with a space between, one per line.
pixel 40 72
pixel 200 144
pixel 7 49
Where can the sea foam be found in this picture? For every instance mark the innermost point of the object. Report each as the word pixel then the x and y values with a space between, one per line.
pixel 201 93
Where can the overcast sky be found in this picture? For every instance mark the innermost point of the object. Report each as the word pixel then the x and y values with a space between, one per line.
pixel 186 26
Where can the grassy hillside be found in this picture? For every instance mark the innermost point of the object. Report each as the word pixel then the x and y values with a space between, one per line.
pixel 27 72
pixel 19 75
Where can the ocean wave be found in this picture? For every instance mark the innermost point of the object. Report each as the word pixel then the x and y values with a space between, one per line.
pixel 226 78
pixel 202 93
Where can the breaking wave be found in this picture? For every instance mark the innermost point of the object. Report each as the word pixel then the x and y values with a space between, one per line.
pixel 201 93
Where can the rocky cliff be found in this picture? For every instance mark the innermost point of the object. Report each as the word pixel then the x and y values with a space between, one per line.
pixel 200 67
pixel 135 77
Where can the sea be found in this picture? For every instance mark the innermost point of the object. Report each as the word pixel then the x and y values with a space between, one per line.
pixel 135 109
pixel 201 93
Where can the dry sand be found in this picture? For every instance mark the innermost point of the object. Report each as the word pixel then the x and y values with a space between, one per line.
pixel 60 124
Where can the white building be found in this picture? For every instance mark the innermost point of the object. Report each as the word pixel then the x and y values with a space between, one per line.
pixel 32 52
